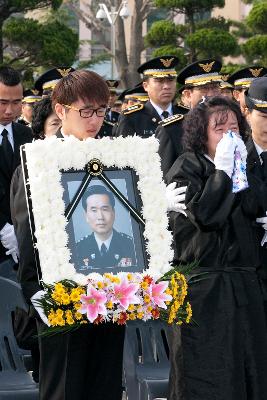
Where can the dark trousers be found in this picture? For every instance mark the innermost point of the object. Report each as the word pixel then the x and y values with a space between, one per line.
pixel 85 364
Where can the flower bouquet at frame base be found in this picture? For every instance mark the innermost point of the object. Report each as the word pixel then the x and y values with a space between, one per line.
pixel 116 298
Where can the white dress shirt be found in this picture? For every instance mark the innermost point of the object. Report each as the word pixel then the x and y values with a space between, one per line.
pixel 9 135
pixel 106 242
pixel 160 111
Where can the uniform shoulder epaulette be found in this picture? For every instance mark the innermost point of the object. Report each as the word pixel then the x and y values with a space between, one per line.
pixel 171 119
pixel 125 236
pixel 134 108
pixel 109 123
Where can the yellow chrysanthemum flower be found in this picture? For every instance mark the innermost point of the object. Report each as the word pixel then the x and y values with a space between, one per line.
pixel 132 317
pixel 144 285
pixel 109 305
pixel 100 285
pixel 131 307
pixel 147 298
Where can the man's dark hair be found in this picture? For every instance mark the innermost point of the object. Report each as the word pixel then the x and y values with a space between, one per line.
pixel 196 122
pixel 41 111
pixel 81 84
pixel 9 76
pixel 97 189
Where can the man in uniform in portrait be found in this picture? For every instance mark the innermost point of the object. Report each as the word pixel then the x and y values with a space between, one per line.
pixel 105 247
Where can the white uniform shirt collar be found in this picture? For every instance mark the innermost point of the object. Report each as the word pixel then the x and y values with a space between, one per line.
pixel 259 150
pixel 9 135
pixel 160 111
pixel 106 242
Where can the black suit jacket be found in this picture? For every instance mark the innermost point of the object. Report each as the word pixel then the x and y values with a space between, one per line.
pixel 21 135
pixel 143 122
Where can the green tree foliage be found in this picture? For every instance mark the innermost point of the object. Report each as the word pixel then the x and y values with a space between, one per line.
pixel 257 18
pixel 32 44
pixel 9 7
pixel 196 38
pixel 190 6
pixel 162 33
pixel 215 42
pixel 255 47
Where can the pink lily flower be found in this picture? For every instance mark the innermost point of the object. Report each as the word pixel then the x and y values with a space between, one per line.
pixel 94 303
pixel 157 294
pixel 124 293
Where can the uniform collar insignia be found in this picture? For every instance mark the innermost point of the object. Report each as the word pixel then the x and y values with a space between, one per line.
pixel 35 92
pixel 255 71
pixel 207 67
pixel 167 62
pixel 225 77
pixel 64 72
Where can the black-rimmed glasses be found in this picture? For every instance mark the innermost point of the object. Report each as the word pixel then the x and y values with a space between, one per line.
pixel 88 112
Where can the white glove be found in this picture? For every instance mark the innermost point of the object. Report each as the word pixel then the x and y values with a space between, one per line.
pixel 224 155
pixel 263 221
pixel 34 299
pixel 176 198
pixel 241 147
pixel 14 253
pixel 9 241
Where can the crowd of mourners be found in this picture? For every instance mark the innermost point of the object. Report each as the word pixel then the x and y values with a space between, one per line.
pixel 199 128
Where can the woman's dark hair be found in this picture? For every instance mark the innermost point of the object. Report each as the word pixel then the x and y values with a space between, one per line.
pixel 196 122
pixel 41 111
pixel 81 84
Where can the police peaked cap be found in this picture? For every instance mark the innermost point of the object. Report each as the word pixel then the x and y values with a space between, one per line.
pixel 49 79
pixel 31 96
pixel 200 73
pixel 159 67
pixel 256 95
pixel 243 78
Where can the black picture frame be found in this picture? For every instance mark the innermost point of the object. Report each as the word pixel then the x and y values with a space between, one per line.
pixel 128 226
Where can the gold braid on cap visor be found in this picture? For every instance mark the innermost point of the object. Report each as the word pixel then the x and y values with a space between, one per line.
pixel 203 78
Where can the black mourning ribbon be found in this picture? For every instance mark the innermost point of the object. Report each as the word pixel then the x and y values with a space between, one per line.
pixel 165 114
pixel 7 150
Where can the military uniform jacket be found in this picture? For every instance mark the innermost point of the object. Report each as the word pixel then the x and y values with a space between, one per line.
pixel 170 133
pixel 105 130
pixel 120 253
pixel 140 119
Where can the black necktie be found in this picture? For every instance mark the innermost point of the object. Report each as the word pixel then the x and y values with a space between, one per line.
pixel 264 164
pixel 7 150
pixel 103 250
pixel 165 114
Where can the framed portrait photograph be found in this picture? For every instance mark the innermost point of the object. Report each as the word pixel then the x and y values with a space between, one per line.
pixel 104 236
pixel 96 206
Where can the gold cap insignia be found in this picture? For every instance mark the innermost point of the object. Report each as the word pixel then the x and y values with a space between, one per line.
pixel 225 77
pixel 35 92
pixel 255 71
pixel 207 67
pixel 167 62
pixel 64 72
pixel 111 83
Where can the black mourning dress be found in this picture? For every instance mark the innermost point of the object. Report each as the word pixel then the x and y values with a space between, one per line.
pixel 225 350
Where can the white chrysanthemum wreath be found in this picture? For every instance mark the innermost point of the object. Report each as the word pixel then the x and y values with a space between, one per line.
pixel 45 159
